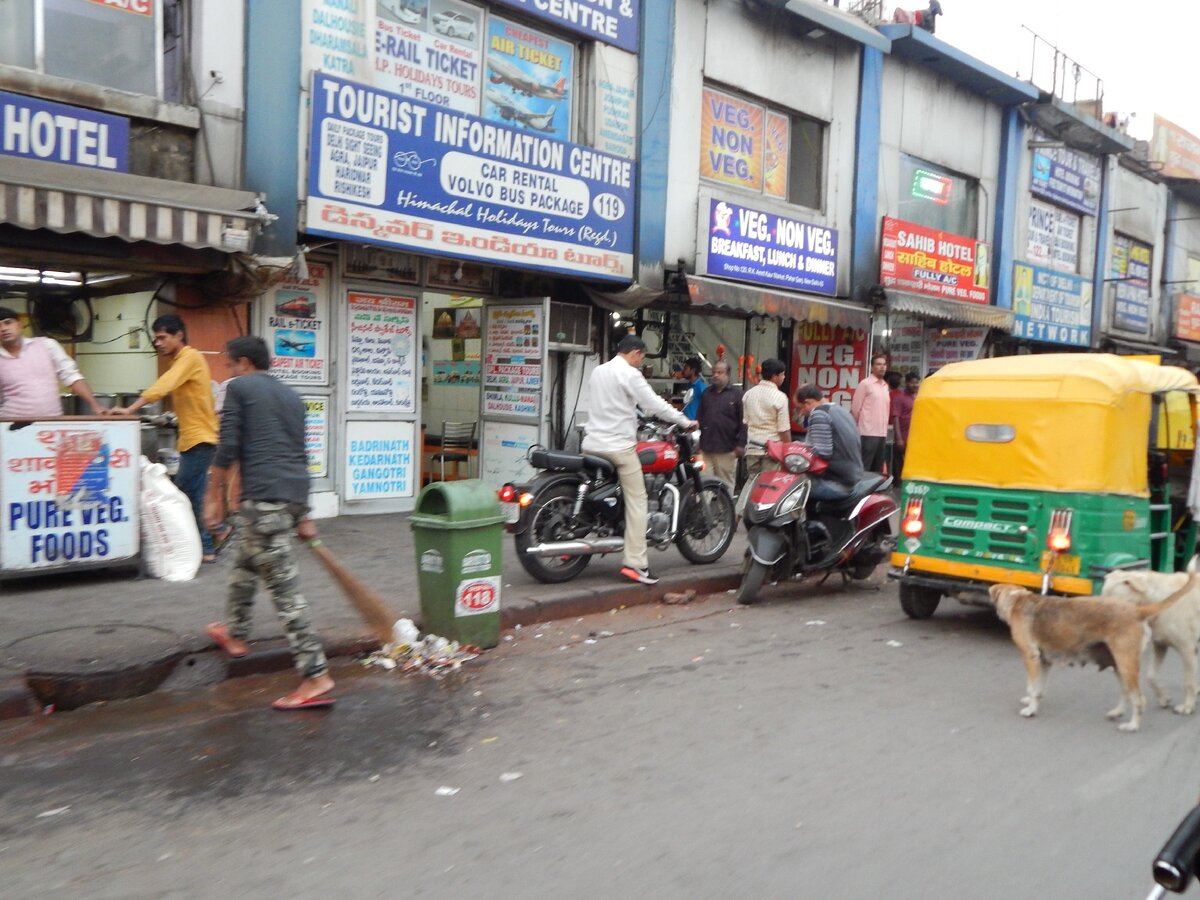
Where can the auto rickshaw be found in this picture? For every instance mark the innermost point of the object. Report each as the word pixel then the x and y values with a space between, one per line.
pixel 1048 471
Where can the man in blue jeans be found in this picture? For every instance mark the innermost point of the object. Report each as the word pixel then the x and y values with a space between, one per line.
pixel 833 436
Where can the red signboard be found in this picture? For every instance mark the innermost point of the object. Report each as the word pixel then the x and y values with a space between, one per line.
pixel 935 263
pixel 1187 317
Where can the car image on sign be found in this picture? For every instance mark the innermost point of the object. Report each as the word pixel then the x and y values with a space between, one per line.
pixel 455 25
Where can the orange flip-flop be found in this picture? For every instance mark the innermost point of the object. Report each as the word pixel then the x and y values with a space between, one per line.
pixel 222 638
pixel 291 702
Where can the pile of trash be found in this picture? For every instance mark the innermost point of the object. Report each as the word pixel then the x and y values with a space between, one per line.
pixel 431 655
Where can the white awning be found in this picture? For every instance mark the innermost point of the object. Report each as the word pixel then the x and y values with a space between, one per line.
pixel 761 301
pixel 73 200
pixel 950 310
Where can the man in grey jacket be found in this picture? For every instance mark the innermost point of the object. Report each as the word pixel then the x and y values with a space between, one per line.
pixel 833 436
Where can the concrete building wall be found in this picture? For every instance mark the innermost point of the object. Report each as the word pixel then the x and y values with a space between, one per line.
pixel 756 52
pixel 217 72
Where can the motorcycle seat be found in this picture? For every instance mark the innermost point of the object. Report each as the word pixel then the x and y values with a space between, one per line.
pixel 570 462
pixel 868 484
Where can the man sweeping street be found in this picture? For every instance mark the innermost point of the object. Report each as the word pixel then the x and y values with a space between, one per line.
pixel 262 432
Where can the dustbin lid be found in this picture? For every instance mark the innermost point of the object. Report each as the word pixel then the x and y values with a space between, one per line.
pixel 457 504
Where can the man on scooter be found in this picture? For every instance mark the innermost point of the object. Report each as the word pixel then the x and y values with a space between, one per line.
pixel 615 391
pixel 833 436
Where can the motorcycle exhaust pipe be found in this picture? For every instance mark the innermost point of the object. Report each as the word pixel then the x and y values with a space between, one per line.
pixel 577 548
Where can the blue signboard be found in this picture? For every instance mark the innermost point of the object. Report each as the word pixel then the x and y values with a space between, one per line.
pixel 1129 267
pixel 1051 306
pixel 766 248
pixel 55 132
pixel 1067 178
pixel 609 21
pixel 395 171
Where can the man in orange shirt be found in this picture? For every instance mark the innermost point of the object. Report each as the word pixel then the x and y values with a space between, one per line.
pixel 190 385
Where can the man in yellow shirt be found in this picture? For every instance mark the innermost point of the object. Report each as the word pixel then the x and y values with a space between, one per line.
pixel 190 385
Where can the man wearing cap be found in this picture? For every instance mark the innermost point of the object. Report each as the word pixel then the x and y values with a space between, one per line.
pixel 31 370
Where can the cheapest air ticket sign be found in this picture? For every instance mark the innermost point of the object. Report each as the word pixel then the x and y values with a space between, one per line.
pixel 610 21
pixel 395 171
pixel 765 248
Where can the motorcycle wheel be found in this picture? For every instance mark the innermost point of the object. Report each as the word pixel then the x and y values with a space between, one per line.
pixel 552 520
pixel 919 602
pixel 752 582
pixel 862 568
pixel 696 544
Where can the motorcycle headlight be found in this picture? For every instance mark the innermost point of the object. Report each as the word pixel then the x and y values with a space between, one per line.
pixel 794 502
pixel 796 463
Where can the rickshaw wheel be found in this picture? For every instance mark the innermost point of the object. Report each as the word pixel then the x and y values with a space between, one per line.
pixel 919 602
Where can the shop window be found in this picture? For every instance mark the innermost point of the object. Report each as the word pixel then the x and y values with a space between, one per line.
pixel 754 147
pixel 937 198
pixel 112 44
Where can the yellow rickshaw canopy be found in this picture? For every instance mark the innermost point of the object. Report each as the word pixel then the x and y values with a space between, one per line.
pixel 1063 422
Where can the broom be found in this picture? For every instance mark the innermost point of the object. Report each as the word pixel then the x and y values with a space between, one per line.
pixel 369 604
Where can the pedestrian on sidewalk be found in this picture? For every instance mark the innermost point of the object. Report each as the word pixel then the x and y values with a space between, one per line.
pixel 870 407
pixel 31 370
pixel 692 367
pixel 189 383
pixel 615 391
pixel 262 433
pixel 722 431
pixel 765 412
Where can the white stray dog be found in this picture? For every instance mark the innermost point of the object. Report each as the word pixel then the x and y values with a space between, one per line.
pixel 1177 626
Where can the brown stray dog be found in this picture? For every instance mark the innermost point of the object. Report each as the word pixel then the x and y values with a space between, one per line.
pixel 1105 630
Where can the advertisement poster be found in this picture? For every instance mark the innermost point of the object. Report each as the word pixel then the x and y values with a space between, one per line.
pixel 382 358
pixel 530 79
pixel 70 494
pixel 905 345
pixel 950 345
pixel 297 332
pixel 1053 237
pixel 1177 149
pixel 1066 177
pixel 505 448
pixel 401 173
pixel 1050 306
pixel 935 263
pixel 1130 269
pixel 615 114
pixel 316 435
pixel 608 21
pixel 381 460
pixel 461 373
pixel 430 50
pixel 379 264
pixel 777 137
pixel 765 248
pixel 1187 317
pixel 512 362
pixel 338 38
pixel 731 140
pixel 833 357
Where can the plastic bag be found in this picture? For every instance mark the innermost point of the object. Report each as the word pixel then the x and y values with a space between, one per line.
pixel 170 538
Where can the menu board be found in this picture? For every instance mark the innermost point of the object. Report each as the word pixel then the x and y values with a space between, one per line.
pixel 512 363
pixel 382 351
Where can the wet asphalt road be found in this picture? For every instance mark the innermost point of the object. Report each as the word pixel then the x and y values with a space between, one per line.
pixel 819 745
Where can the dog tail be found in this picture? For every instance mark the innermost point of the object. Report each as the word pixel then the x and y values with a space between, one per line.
pixel 1148 610
pixel 1192 564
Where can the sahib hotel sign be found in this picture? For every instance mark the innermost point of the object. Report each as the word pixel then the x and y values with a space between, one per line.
pixel 934 263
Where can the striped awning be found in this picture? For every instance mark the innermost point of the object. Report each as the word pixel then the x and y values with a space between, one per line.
pixel 73 200
pixel 958 311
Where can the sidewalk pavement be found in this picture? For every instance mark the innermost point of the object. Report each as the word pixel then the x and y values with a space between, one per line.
pixel 105 634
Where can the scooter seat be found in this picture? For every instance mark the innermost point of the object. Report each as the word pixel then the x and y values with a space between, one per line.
pixel 868 484
pixel 570 462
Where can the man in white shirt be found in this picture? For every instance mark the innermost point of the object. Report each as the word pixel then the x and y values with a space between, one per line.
pixel 615 390
pixel 31 370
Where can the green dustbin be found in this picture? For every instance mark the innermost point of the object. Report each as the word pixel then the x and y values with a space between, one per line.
pixel 457 532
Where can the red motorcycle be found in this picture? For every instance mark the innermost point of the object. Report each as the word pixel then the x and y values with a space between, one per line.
pixel 574 509
pixel 790 537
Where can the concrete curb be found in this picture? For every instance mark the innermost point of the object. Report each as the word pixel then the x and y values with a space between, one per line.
pixel 209 666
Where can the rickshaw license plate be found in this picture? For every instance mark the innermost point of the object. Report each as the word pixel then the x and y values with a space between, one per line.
pixel 1063 565
pixel 510 511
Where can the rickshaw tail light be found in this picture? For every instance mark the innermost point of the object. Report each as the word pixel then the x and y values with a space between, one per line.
pixel 1058 540
pixel 913 523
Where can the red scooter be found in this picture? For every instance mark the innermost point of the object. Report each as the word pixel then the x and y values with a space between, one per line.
pixel 790 537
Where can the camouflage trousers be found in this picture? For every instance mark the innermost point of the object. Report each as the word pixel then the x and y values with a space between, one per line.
pixel 263 548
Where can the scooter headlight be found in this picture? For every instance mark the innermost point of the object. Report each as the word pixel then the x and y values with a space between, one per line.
pixel 794 502
pixel 796 463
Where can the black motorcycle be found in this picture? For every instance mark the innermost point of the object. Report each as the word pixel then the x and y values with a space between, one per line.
pixel 574 509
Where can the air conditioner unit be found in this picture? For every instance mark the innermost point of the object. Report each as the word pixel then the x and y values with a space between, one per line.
pixel 570 328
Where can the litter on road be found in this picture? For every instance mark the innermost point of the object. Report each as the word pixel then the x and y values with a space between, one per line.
pixel 432 655
pixel 444 791
pixel 52 812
